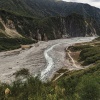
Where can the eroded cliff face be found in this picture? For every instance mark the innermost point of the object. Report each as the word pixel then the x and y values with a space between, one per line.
pixel 74 25
pixel 8 30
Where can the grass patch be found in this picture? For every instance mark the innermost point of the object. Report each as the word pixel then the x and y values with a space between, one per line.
pixel 78 47
pixel 13 43
pixel 90 55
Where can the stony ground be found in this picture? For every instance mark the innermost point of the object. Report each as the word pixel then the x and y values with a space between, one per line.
pixel 34 59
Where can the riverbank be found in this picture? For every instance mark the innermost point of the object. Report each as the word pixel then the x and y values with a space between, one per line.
pixel 7 44
pixel 58 56
pixel 35 59
pixel 76 54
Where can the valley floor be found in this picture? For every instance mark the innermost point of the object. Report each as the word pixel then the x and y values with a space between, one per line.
pixel 44 59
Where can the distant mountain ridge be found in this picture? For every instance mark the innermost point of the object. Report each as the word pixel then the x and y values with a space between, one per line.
pixel 48 8
pixel 48 19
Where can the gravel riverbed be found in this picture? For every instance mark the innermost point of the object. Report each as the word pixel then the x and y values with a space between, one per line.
pixel 44 58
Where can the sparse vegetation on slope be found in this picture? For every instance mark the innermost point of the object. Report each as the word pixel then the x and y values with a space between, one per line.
pixel 90 55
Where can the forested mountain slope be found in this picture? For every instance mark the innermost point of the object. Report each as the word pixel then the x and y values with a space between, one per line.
pixel 47 19
pixel 48 27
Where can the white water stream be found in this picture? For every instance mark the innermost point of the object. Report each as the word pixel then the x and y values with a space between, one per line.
pixel 49 59
pixel 44 58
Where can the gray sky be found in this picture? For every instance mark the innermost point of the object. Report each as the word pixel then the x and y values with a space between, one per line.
pixel 95 3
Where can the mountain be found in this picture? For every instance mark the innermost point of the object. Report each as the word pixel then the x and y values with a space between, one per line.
pixel 47 19
pixel 48 8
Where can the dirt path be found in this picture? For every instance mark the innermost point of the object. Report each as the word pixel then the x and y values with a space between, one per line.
pixel 76 67
pixel 43 58
pixel 55 57
pixel 73 61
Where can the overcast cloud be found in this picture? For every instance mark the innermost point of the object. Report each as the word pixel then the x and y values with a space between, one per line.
pixel 95 3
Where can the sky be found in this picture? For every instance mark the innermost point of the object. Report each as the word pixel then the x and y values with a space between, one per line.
pixel 95 3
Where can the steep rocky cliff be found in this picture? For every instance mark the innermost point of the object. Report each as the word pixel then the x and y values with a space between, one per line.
pixel 47 19
pixel 12 25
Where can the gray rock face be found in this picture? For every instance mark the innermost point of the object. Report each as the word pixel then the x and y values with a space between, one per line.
pixel 74 25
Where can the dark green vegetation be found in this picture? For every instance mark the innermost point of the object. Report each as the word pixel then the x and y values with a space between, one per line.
pixel 78 47
pixel 45 8
pixel 90 55
pixel 84 84
pixel 76 85
pixel 22 72
pixel 10 43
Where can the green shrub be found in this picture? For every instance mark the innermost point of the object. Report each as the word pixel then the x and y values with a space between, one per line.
pixel 89 88
pixel 22 72
pixel 78 48
pixel 13 43
pixel 91 59
pixel 90 55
